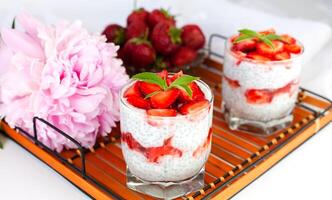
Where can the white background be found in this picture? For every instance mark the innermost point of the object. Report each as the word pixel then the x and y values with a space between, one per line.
pixel 304 174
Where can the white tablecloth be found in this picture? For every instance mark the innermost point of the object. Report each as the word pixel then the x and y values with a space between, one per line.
pixel 304 174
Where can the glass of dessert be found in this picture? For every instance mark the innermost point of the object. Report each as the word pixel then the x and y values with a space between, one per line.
pixel 166 133
pixel 260 80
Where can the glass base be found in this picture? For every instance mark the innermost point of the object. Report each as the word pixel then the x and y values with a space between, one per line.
pixel 166 190
pixel 257 127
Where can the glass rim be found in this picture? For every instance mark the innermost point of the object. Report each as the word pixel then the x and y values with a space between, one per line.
pixel 297 56
pixel 178 116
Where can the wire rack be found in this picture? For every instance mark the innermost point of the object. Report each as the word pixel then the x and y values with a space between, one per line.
pixel 237 158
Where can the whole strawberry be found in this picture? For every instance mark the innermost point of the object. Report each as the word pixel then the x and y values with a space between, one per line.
pixel 139 52
pixel 183 56
pixel 136 29
pixel 192 36
pixel 165 38
pixel 160 15
pixel 138 15
pixel 115 33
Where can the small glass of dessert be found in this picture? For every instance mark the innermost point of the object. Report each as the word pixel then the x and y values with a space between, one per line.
pixel 166 133
pixel 260 80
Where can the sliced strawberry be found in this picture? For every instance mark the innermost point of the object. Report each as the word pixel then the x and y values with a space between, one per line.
pixel 133 90
pixel 254 96
pixel 164 99
pixel 174 77
pixel 293 48
pixel 162 112
pixel 282 56
pixel 266 50
pixel 245 46
pixel 148 88
pixel 257 56
pixel 288 39
pixel 192 107
pixel 138 102
pixel 197 94
pixel 233 83
pixel 268 31
pixel 163 74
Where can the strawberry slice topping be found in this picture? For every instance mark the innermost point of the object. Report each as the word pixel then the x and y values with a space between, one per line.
pixel 197 94
pixel 266 50
pixel 257 56
pixel 148 88
pixel 288 39
pixel 245 46
pixel 163 74
pixel 174 77
pixel 133 91
pixel 162 112
pixel 267 32
pixel 139 102
pixel 192 107
pixel 293 48
pixel 263 46
pixel 282 56
pixel 164 99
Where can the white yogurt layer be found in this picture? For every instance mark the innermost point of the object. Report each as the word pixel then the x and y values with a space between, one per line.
pixel 256 75
pixel 188 133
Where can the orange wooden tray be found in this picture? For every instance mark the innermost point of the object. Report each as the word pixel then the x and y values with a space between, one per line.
pixel 237 158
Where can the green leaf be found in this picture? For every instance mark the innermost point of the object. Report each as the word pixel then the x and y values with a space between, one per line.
pixel 175 35
pixel 151 94
pixel 267 41
pixel 151 77
pixel 249 32
pixel 1 146
pixel 183 80
pixel 185 88
pixel 243 38
pixel 273 37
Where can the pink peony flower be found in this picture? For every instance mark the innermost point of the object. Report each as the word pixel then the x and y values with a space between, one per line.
pixel 63 74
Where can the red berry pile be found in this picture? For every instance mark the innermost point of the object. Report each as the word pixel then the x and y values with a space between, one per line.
pixel 151 40
pixel 264 45
pixel 166 95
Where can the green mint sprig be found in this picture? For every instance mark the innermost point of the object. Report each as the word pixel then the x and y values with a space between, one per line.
pixel 180 83
pixel 247 34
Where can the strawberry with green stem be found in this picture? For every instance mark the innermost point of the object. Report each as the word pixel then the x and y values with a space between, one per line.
pixel 166 38
pixel 139 52
pixel 160 15
pixel 115 33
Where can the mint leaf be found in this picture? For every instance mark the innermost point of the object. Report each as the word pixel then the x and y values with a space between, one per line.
pixel 151 94
pixel 185 88
pixel 267 41
pixel 150 77
pixel 243 38
pixel 249 32
pixel 273 37
pixel 183 80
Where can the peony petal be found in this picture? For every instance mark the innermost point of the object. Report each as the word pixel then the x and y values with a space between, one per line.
pixel 29 23
pixel 86 104
pixel 21 42
pixel 5 58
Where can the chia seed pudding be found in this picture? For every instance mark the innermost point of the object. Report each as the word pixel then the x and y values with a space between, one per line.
pixel 259 92
pixel 166 149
